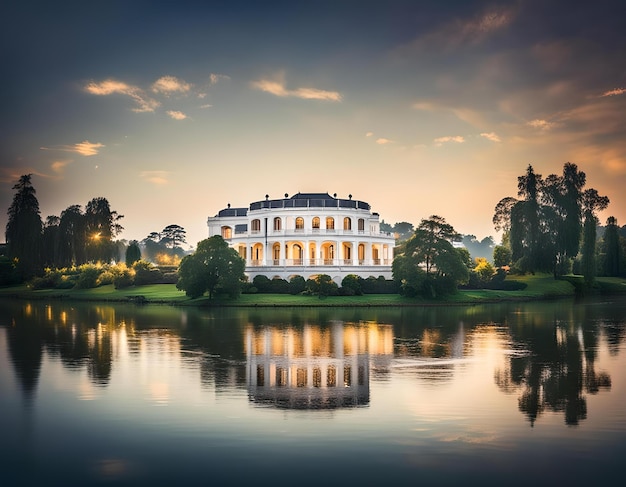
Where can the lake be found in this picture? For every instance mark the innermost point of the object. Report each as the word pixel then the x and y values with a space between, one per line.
pixel 500 394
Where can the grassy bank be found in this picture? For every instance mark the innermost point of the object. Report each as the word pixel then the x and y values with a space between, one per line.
pixel 539 286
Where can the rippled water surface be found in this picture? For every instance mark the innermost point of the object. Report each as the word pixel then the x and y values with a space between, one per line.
pixel 508 394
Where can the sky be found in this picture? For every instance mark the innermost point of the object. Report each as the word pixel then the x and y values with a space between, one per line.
pixel 173 110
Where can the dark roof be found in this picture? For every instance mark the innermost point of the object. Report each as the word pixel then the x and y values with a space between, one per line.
pixel 233 212
pixel 312 196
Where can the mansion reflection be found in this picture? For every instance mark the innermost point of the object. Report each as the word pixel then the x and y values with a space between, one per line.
pixel 314 367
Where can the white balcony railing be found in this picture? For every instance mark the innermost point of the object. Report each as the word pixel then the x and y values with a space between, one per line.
pixel 319 262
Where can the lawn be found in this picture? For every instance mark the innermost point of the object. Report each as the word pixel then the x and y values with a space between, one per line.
pixel 539 286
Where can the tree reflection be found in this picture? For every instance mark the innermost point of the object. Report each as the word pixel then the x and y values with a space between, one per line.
pixel 559 369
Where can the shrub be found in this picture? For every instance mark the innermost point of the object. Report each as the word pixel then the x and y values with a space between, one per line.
pixel 124 278
pixel 279 286
pixel 146 273
pixel 297 285
pixel 88 276
pixel 351 285
pixel 262 283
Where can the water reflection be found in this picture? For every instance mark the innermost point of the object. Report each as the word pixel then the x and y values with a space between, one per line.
pixel 314 367
pixel 548 353
pixel 559 368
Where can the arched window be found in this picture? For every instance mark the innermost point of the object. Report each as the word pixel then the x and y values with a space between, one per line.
pixel 256 226
pixel 276 253
pixel 361 225
pixel 277 224
pixel 297 254
pixel 299 223
pixel 347 223
pixel 227 232
pixel 316 223
pixel 330 223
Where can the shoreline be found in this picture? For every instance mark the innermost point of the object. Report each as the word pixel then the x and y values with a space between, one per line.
pixel 539 287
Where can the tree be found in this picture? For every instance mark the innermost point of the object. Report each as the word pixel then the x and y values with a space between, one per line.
pixel 502 214
pixel 213 267
pixel 72 237
pixel 133 253
pixel 427 241
pixel 526 222
pixel 24 229
pixel 431 247
pixel 611 248
pixel 174 235
pixel 501 256
pixel 592 202
pixel 101 226
pixel 50 241
pixel 563 194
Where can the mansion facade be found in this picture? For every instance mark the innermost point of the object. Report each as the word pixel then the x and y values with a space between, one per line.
pixel 307 234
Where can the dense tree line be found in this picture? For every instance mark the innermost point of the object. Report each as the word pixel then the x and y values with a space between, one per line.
pixel 553 224
pixel 73 238
pixel 79 235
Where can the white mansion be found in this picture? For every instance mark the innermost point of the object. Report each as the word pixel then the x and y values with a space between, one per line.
pixel 307 234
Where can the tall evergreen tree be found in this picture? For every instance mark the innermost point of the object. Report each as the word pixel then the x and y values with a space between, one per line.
pixel 611 248
pixel 50 246
pixel 24 229
pixel 133 253
pixel 526 225
pixel 563 194
pixel 592 203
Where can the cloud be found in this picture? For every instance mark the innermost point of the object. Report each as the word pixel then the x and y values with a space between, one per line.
pixel 176 115
pixel 170 84
pixel 449 138
pixel 369 134
pixel 615 92
pixel 158 178
pixel 59 166
pixel 461 32
pixel 206 105
pixel 278 88
pixel 87 148
pixel 383 141
pixel 540 124
pixel 215 78
pixel 112 87
pixel 12 174
pixel 84 148
pixel 492 136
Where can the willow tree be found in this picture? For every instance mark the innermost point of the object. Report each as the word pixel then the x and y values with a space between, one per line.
pixel 24 229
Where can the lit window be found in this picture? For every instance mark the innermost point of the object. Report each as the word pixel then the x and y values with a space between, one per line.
pixel 347 223
pixel 330 223
pixel 256 225
pixel 277 224
pixel 300 223
pixel 316 222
